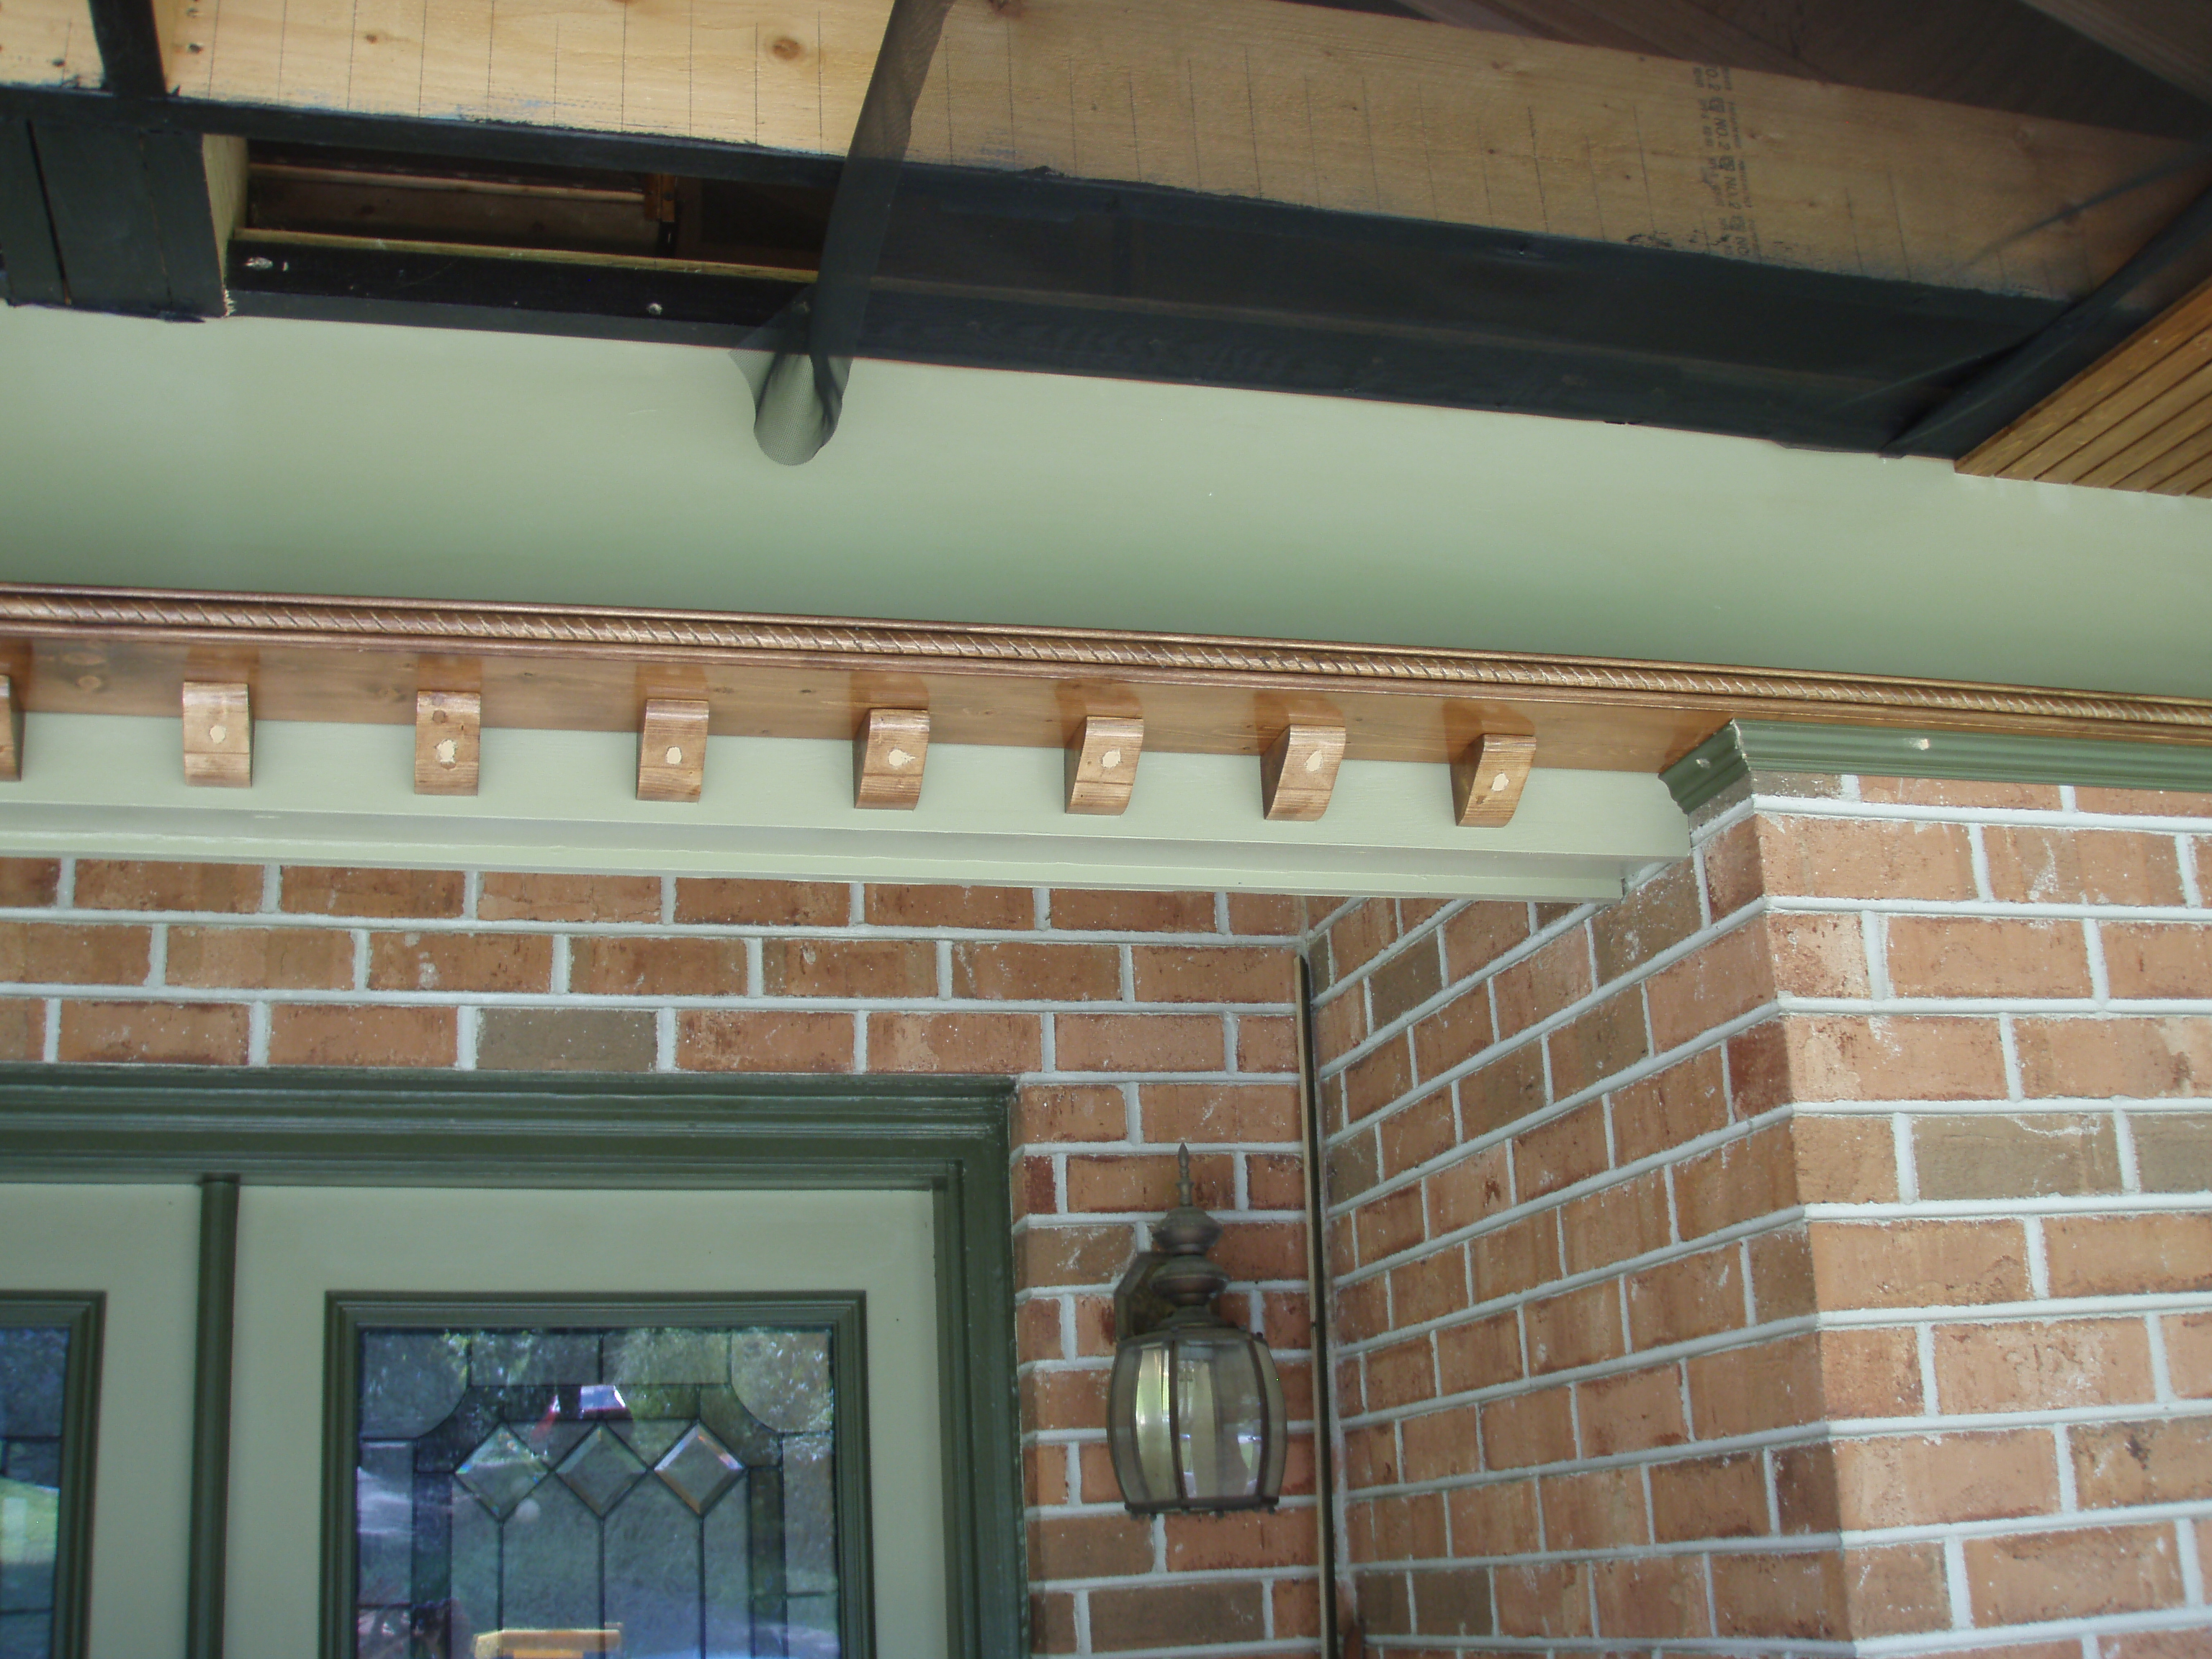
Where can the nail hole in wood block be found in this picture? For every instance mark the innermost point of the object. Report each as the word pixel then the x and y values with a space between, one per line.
pixel 11 732
pixel 1298 774
pixel 672 749
pixel 1488 777
pixel 448 742
pixel 218 734
pixel 1102 764
pixel 889 755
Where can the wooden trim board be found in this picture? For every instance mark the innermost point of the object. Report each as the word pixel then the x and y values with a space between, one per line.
pixel 1342 110
pixel 117 651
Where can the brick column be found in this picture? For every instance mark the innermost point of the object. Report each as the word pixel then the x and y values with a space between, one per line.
pixel 1816 1247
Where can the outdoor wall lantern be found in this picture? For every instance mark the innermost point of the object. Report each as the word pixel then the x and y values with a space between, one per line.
pixel 1195 1413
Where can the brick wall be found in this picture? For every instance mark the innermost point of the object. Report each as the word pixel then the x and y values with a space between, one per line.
pixel 1812 1252
pixel 1134 1021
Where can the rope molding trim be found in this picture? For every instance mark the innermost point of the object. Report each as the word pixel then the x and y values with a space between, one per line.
pixel 402 625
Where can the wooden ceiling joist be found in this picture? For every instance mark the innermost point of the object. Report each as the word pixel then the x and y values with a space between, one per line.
pixel 1250 99
pixel 2140 418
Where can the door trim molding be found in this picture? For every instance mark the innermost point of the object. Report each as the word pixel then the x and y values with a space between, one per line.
pixel 83 1314
pixel 948 1136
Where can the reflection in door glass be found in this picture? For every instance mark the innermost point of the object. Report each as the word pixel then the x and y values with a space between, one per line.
pixel 34 1373
pixel 652 1492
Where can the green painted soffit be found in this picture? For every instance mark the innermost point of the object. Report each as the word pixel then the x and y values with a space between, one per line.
pixel 332 459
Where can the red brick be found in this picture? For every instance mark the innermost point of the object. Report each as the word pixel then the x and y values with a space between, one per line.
pixel 1957 957
pixel 2041 1365
pixel 750 1040
pixel 1550 1598
pixel 1464 1193
pixel 1255 1251
pixel 1954 792
pixel 1845 1160
pixel 1218 1112
pixel 1733 875
pixel 1925 1480
pixel 1628 1219
pixel 1430 1287
pixel 1503 1092
pixel 122 885
pixel 1212 973
pixel 1654 1597
pixel 2080 867
pixel 1721 980
pixel 1229 1543
pixel 1052 1622
pixel 1054 1399
pixel 507 896
pixel 22 1028
pixel 323 1034
pixel 1296 1608
pixel 1634 1411
pixel 1582 1328
pixel 988 908
pixel 1064 1547
pixel 1597 1044
pixel 2173 1151
pixel 1686 1100
pixel 1457 1031
pixel 427 894
pixel 1339 1026
pixel 1759 1076
pixel 1544 983
pixel 29 883
pixel 1023 972
pixel 740 903
pixel 1390 1225
pixel 1848 858
pixel 1440 1444
pixel 976 1044
pixel 1401 1374
pixel 1497 1519
pixel 1897 1590
pixel 2189 1354
pixel 1416 1133
pixel 1799 1595
pixel 460 962
pixel 64 953
pixel 1106 911
pixel 1816 956
pixel 1146 1180
pixel 1156 1615
pixel 1835 1057
pixel 2151 1461
pixel 1267 1043
pixel 1749 1390
pixel 1655 917
pixel 1478 935
pixel 1516 1257
pixel 2128 1256
pixel 1599 1511
pixel 1753 1175
pixel 1404 983
pixel 2143 803
pixel 2147 1058
pixel 2158 959
pixel 1567 1149
pixel 260 958
pixel 1481 1353
pixel 880 969
pixel 158 1033
pixel 1129 1043
pixel 1528 1430
pixel 2026 1577
pixel 1092 1253
pixel 1044 1114
pixel 1781 1282
pixel 1276 914
pixel 1709 1498
pixel 1870 1371
pixel 1377 1077
pixel 621 966
pixel 1679 1301
pixel 1361 933
pixel 1910 1264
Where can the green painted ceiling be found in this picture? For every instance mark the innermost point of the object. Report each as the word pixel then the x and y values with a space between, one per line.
pixel 332 459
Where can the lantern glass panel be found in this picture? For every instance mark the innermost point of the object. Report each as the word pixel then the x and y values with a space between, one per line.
pixel 1139 1416
pixel 1221 1411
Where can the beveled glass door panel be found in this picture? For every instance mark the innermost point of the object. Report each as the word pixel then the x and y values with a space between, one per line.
pixel 674 1416
pixel 136 1247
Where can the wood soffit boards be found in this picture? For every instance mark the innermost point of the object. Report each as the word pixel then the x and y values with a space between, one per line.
pixel 131 652
pixel 2139 419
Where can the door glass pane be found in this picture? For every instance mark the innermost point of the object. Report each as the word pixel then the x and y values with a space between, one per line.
pixel 657 1492
pixel 33 1390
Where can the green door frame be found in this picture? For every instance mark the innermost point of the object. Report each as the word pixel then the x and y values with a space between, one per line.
pixel 947 1136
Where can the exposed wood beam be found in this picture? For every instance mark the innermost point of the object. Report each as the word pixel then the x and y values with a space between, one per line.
pixel 1298 774
pixel 218 733
pixel 448 742
pixel 671 748
pixel 1102 764
pixel 889 755
pixel 11 730
pixel 1284 103
pixel 1487 777
pixel 2172 39
pixel 1667 28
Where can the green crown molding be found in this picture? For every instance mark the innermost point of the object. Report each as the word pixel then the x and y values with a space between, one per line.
pixel 1732 754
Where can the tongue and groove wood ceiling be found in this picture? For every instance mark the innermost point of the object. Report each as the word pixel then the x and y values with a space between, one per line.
pixel 1821 223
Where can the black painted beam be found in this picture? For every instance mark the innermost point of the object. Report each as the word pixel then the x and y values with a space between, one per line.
pixel 27 234
pixel 131 219
pixel 130 47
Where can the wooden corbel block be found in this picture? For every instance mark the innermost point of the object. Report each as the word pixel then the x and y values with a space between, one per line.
pixel 448 742
pixel 888 756
pixel 1298 774
pixel 11 732
pixel 218 733
pixel 672 749
pixel 1488 777
pixel 1102 764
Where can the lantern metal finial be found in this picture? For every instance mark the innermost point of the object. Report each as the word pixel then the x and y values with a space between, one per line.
pixel 1195 1413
